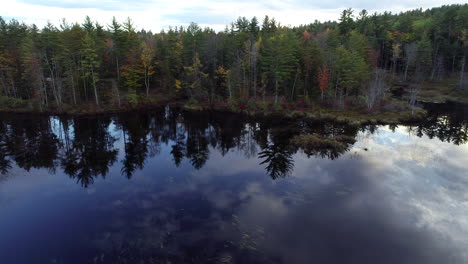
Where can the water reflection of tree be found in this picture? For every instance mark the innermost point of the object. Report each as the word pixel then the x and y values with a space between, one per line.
pixel 278 160
pixel 135 130
pixel 178 148
pixel 276 151
pixel 332 139
pixel 91 151
pixel 5 163
pixel 447 122
pixel 85 147
pixel 32 144
pixel 197 143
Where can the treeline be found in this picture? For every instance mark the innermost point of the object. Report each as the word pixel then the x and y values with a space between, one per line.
pixel 347 60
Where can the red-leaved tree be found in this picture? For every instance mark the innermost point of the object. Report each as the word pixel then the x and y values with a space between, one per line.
pixel 323 78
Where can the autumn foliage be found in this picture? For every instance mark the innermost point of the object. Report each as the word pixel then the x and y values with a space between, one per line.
pixel 323 78
pixel 306 35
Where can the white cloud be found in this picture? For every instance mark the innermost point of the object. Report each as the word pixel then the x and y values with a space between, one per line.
pixel 156 14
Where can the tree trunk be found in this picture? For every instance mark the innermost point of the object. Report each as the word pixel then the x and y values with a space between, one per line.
pixel 43 91
pixel 453 62
pixel 13 88
pixel 115 90
pixel 85 88
pixel 244 81
pixel 255 78
pixel 406 70
pixel 336 85
pixel 94 87
pixel 276 90
pixel 147 82
pixel 434 62
pixel 229 87
pixel 52 78
pixel 117 68
pixel 73 90
pixel 294 85
pixel 462 72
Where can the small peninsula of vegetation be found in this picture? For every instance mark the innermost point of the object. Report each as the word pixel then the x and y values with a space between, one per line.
pixel 364 67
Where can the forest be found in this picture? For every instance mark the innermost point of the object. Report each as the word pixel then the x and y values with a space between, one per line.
pixel 253 63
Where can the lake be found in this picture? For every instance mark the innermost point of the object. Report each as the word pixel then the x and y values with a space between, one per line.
pixel 170 186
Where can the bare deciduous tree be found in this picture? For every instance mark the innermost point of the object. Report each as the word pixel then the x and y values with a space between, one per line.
pixel 376 89
pixel 411 50
pixel 415 89
pixel 462 83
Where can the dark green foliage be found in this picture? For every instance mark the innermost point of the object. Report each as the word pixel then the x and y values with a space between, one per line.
pixel 87 63
pixel 279 59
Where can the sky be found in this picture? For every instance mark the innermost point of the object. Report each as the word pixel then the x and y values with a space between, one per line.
pixel 158 14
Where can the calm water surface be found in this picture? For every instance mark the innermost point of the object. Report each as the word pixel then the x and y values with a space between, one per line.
pixel 170 186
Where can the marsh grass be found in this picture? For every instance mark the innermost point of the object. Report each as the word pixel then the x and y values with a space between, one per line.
pixel 331 147
pixel 439 91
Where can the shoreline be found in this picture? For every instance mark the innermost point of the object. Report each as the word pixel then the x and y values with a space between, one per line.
pixel 351 116
pixel 393 110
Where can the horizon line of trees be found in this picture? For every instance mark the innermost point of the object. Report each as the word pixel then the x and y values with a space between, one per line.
pixel 115 64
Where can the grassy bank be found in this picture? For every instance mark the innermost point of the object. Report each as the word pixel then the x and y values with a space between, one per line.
pixel 392 112
pixel 437 91
pixel 10 105
pixel 311 142
pixel 443 91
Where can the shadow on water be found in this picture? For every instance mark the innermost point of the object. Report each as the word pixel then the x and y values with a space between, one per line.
pixel 85 147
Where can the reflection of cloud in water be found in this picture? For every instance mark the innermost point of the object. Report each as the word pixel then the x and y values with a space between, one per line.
pixel 412 177
pixel 399 196
pixel 429 176
pixel 340 211
pixel 334 223
pixel 402 201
